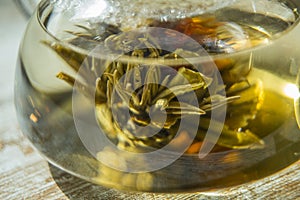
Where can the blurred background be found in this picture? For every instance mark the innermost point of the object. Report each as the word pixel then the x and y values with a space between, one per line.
pixel 12 25
pixel 13 145
pixel 26 6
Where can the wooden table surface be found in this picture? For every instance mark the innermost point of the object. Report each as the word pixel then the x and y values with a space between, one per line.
pixel 24 174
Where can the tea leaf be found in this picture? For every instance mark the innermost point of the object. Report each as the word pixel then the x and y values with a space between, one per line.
pixel 72 58
pixel 157 96
pixel 235 139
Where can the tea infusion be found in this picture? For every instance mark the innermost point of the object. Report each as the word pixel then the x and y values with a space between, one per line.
pixel 245 99
pixel 234 39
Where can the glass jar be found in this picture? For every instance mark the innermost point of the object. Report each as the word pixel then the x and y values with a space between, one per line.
pixel 162 96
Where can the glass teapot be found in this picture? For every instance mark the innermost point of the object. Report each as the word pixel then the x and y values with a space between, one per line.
pixel 162 96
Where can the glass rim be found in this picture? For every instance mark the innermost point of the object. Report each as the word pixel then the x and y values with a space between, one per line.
pixel 44 4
